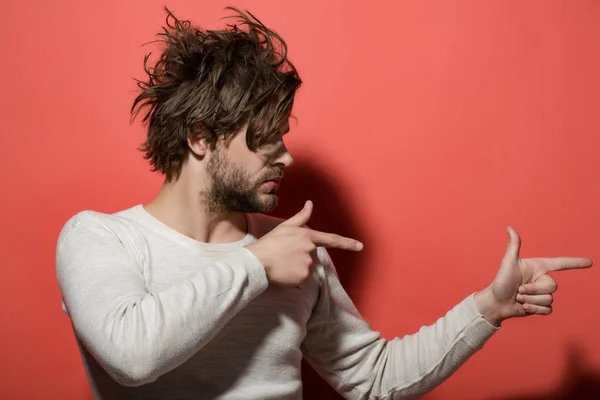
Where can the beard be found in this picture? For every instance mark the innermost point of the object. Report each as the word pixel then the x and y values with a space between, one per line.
pixel 233 189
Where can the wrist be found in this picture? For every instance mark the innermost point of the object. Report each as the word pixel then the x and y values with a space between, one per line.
pixel 489 307
pixel 254 249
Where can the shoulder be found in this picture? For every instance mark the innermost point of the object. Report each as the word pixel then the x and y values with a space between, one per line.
pixel 92 235
pixel 84 220
pixel 90 225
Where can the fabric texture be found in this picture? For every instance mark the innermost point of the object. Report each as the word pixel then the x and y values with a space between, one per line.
pixel 158 315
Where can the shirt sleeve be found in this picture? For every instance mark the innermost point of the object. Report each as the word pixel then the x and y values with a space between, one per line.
pixel 359 364
pixel 134 333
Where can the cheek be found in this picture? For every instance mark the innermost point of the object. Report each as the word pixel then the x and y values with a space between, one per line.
pixel 253 163
pixel 256 164
pixel 254 169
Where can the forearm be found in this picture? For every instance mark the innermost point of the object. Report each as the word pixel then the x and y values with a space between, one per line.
pixel 360 364
pixel 139 335
pixel 418 363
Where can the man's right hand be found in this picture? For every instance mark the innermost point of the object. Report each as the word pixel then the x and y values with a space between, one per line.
pixel 288 251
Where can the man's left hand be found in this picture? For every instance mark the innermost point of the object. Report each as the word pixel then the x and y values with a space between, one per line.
pixel 522 286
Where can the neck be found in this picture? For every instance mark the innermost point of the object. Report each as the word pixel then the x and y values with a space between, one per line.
pixel 179 205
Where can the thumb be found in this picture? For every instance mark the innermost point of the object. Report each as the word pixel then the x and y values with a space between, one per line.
pixel 514 245
pixel 302 217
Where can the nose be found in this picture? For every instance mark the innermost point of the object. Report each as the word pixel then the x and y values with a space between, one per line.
pixel 283 158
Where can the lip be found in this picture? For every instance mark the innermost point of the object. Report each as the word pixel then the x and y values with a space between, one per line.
pixel 271 184
pixel 276 179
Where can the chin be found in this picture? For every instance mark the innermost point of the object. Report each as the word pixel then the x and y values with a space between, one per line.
pixel 270 202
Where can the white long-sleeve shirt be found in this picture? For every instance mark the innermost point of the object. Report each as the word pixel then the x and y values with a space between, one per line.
pixel 158 315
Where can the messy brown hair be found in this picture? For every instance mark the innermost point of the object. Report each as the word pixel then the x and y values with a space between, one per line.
pixel 212 83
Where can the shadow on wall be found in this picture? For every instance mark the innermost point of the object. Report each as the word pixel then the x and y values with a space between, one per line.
pixel 308 181
pixel 580 381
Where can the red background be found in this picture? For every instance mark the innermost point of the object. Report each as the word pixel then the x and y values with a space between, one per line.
pixel 424 129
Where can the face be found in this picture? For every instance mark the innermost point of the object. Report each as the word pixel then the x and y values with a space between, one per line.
pixel 243 180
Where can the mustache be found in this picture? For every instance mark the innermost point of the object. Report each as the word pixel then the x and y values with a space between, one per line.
pixel 273 175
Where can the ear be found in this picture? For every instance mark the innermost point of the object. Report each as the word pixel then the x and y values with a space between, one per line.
pixel 197 145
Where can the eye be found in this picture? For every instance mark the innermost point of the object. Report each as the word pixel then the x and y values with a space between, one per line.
pixel 274 140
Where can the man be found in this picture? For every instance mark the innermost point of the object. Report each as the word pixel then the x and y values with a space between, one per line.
pixel 199 295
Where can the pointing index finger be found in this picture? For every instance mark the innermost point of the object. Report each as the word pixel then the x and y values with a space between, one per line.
pixel 324 239
pixel 564 263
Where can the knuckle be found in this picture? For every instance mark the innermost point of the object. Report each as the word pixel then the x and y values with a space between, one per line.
pixel 304 234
